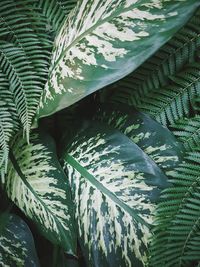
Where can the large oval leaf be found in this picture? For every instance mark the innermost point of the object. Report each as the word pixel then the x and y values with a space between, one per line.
pixel 154 139
pixel 104 40
pixel 16 243
pixel 37 185
pixel 115 186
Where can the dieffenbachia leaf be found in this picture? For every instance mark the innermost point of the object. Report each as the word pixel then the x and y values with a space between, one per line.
pixel 115 187
pixel 154 139
pixel 17 247
pixel 37 185
pixel 104 40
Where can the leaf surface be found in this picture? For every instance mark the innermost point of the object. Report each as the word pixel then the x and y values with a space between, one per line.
pixel 16 243
pixel 103 41
pixel 115 187
pixel 37 185
pixel 154 139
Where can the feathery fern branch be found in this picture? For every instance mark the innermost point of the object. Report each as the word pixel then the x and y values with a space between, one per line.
pixel 188 132
pixel 176 241
pixel 8 120
pixel 25 48
pixel 173 101
pixel 196 105
pixel 55 12
pixel 155 72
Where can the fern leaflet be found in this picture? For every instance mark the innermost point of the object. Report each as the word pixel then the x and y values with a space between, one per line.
pixel 177 231
pixel 169 60
pixel 188 131
pixel 55 12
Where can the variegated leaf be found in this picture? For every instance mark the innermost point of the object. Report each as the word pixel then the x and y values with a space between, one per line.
pixel 115 187
pixel 36 183
pixel 104 40
pixel 154 139
pixel 17 247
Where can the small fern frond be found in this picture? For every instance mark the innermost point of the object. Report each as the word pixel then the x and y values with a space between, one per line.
pixel 196 105
pixel 13 27
pixel 173 101
pixel 177 231
pixel 25 48
pixel 22 57
pixel 155 73
pixel 8 121
pixel 23 81
pixel 187 130
pixel 55 12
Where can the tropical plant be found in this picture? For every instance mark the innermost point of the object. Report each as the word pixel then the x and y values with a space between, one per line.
pixel 113 179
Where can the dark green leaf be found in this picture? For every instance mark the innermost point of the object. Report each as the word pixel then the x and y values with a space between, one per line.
pixel 36 183
pixel 154 139
pixel 103 41
pixel 115 187
pixel 17 247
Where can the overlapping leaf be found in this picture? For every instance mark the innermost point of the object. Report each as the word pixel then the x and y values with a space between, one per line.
pixel 16 243
pixel 155 140
pixel 115 186
pixel 104 40
pixel 36 183
pixel 155 73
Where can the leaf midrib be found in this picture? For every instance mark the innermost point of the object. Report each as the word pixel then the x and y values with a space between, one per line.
pixel 99 23
pixel 23 178
pixel 88 176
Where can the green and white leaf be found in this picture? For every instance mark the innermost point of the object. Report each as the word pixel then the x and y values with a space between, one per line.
pixel 115 187
pixel 17 247
pixel 103 41
pixel 37 185
pixel 154 139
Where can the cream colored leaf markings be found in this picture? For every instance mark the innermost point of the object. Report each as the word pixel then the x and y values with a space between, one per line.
pixel 16 251
pixel 137 130
pixel 40 197
pixel 125 233
pixel 94 35
pixel 13 248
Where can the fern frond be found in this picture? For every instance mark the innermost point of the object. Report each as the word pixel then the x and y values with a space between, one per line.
pixel 26 27
pixel 8 121
pixel 55 12
pixel 173 102
pixel 187 130
pixel 22 57
pixel 196 105
pixel 177 232
pixel 25 48
pixel 23 81
pixel 156 71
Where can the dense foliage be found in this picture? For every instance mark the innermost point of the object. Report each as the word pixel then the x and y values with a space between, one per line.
pixel 113 179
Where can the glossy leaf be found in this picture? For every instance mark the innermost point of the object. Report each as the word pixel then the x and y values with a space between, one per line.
pixel 16 243
pixel 154 139
pixel 104 40
pixel 37 185
pixel 115 187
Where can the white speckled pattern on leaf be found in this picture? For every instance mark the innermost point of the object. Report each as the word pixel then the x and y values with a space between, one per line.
pixel 115 186
pixel 104 40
